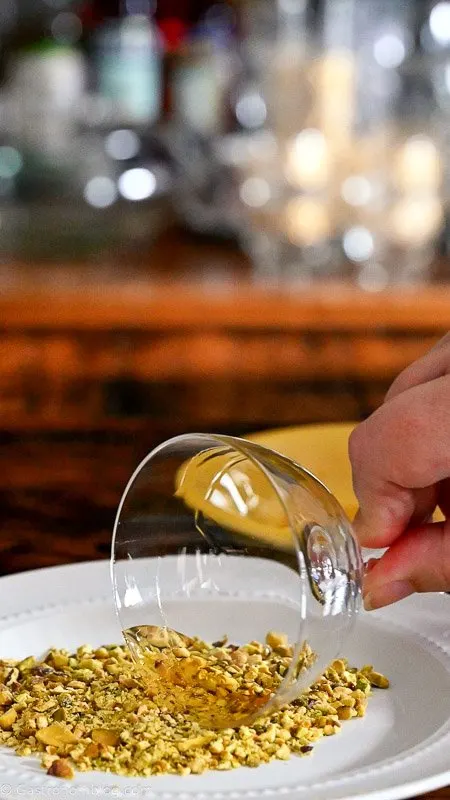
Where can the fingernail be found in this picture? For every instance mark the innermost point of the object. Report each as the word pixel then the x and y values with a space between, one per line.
pixel 367 599
pixel 387 594
pixel 370 564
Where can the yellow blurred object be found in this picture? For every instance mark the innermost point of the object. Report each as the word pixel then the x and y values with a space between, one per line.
pixel 236 494
pixel 321 449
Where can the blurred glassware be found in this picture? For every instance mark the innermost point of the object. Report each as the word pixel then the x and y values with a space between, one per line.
pixel 203 73
pixel 43 93
pixel 324 146
pixel 352 184
pixel 406 221
pixel 129 56
pixel 284 179
pixel 82 175
pixel 203 77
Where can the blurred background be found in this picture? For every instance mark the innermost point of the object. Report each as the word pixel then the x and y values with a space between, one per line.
pixel 223 216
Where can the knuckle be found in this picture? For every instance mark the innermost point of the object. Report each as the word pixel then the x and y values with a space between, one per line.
pixel 405 439
pixel 400 383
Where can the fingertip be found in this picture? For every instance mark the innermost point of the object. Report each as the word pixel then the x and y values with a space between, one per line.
pixel 368 604
pixel 387 594
pixel 417 562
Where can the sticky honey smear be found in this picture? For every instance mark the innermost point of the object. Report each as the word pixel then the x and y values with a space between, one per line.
pixel 220 685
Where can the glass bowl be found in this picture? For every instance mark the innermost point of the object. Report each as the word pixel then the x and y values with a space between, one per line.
pixel 236 577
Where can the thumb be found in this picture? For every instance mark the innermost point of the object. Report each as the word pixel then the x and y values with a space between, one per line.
pixel 419 561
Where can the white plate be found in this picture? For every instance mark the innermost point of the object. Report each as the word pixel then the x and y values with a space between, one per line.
pixel 400 749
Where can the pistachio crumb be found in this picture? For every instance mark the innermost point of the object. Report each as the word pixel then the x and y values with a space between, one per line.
pixel 93 710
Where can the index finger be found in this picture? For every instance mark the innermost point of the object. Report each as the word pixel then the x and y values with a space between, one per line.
pixel 398 456
pixel 432 365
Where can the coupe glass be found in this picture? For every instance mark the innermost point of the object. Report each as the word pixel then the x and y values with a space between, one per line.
pixel 218 540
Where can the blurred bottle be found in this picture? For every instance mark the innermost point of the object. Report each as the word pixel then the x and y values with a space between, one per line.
pixel 74 180
pixel 203 74
pixel 393 210
pixel 44 91
pixel 335 75
pixel 202 81
pixel 129 63
pixel 286 224
pixel 287 86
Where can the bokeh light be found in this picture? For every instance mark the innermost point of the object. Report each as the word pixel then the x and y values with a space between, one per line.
pixel 307 160
pixel 307 221
pixel 251 111
pixel 137 184
pixel 100 192
pixel 255 192
pixel 358 243
pixel 418 165
pixel 440 23
pixel 357 190
pixel 414 221
pixel 122 144
pixel 389 51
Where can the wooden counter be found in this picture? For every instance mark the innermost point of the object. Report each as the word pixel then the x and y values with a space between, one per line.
pixel 187 339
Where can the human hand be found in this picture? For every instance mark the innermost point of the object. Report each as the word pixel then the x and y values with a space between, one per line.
pixel 401 472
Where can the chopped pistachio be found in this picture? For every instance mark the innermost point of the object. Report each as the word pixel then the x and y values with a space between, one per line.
pixel 56 734
pixel 26 664
pixel 377 679
pixel 93 710
pixel 8 719
pixel 61 768
pixel 6 697
pixel 106 737
pixel 275 640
